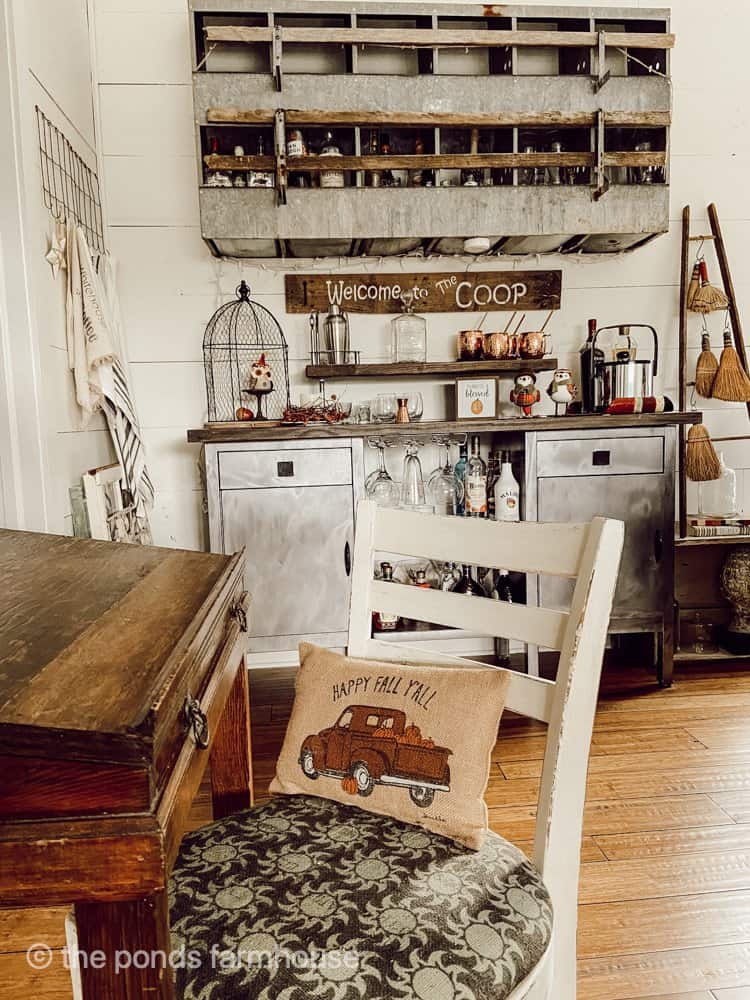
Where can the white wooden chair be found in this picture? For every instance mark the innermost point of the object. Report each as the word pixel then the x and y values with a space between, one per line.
pixel 209 885
pixel 588 553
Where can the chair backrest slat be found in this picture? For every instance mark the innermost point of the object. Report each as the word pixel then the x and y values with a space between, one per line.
pixel 588 553
pixel 523 546
pixel 531 697
pixel 539 626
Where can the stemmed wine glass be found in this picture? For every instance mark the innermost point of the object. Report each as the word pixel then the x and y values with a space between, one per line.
pixel 379 486
pixel 444 490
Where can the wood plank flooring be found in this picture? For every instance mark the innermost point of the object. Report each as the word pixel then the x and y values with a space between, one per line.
pixel 665 880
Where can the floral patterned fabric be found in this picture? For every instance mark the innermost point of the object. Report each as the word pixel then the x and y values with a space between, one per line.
pixel 303 897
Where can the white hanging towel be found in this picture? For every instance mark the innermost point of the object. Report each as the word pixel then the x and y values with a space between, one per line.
pixel 95 354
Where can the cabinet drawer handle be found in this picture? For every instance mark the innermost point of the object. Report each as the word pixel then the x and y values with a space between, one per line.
pixel 658 545
pixel 196 721
pixel 348 559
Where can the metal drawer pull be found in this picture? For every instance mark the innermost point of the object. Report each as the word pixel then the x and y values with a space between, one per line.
pixel 196 721
pixel 348 559
pixel 600 458
pixel 238 611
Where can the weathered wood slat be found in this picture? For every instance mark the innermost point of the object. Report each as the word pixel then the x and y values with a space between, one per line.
pixel 428 119
pixel 407 38
pixel 703 840
pixel 430 369
pixel 244 431
pixel 437 161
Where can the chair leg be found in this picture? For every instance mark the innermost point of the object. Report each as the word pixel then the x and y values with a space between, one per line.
pixel 532 660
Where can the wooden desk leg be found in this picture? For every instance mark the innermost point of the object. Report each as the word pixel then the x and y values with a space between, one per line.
pixel 231 753
pixel 126 934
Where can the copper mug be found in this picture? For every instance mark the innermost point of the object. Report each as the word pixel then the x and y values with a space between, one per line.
pixel 470 345
pixel 499 345
pixel 534 344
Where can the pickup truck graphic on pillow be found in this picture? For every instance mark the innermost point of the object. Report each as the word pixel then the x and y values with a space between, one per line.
pixel 374 746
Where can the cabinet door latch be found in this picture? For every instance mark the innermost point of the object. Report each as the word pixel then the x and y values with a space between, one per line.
pixel 196 722
pixel 238 611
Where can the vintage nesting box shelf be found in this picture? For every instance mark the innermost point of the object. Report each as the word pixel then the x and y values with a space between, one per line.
pixel 561 115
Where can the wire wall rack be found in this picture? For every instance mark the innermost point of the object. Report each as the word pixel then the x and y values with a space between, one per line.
pixel 71 188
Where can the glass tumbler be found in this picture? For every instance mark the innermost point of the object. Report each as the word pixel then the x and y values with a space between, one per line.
pixel 412 484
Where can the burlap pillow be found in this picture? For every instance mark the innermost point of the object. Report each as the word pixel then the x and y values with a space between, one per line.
pixel 411 742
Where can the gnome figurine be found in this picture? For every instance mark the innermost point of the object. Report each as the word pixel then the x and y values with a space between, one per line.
pixel 524 393
pixel 561 390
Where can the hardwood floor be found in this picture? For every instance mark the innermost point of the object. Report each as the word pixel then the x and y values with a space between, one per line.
pixel 665 881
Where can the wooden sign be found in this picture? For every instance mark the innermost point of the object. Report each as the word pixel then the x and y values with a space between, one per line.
pixel 443 291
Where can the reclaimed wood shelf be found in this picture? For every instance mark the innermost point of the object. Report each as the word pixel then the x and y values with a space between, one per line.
pixel 429 369
pixel 693 540
pixel 248 431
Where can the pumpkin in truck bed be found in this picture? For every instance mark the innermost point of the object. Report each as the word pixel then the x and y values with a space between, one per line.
pixel 375 746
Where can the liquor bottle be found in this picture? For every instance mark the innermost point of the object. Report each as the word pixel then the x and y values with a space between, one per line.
pixel 385 150
pixel 416 177
pixel 459 471
pixel 408 333
pixel 507 493
pixel 296 146
pixel 382 621
pixel 589 358
pixel 493 471
pixel 331 178
pixel 373 178
pixel 475 482
pixel 466 585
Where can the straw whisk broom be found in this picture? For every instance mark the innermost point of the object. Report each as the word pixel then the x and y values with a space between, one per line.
pixel 701 461
pixel 707 298
pixel 695 284
pixel 731 382
pixel 706 366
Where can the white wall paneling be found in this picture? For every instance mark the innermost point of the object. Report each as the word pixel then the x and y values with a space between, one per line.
pixel 170 284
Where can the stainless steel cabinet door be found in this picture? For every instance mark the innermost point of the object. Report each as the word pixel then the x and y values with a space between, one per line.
pixel 299 542
pixel 640 502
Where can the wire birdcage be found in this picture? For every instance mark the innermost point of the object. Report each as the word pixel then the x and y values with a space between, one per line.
pixel 246 361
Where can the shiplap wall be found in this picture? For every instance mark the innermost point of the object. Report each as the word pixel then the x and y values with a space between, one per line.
pixel 170 284
pixel 51 46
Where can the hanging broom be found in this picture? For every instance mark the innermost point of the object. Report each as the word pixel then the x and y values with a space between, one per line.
pixel 701 461
pixel 695 284
pixel 731 382
pixel 707 298
pixel 705 369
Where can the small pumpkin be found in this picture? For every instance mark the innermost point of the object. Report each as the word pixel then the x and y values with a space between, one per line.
pixel 382 733
pixel 349 784
pixel 428 744
pixel 413 734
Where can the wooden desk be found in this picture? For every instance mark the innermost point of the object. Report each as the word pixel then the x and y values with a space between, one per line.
pixel 101 646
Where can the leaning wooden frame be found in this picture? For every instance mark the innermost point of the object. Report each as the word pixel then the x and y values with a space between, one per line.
pixel 587 553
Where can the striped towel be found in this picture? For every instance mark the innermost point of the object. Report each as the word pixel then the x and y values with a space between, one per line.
pixel 97 358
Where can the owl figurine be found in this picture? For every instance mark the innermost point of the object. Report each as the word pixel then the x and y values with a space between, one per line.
pixel 562 390
pixel 524 393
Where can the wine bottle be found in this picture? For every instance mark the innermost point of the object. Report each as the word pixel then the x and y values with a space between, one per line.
pixel 467 585
pixel 459 471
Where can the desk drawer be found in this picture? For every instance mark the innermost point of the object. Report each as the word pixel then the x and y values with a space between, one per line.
pixel 617 456
pixel 240 470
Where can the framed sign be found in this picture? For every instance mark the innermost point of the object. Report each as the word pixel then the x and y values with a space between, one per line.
pixel 433 291
pixel 476 398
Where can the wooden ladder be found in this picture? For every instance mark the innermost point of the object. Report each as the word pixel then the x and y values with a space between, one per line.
pixel 717 238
